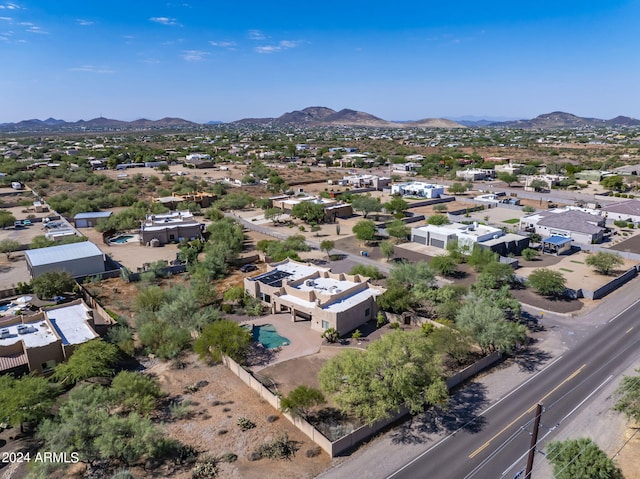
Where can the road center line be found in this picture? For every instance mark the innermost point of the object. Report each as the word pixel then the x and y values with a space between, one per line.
pixel 528 411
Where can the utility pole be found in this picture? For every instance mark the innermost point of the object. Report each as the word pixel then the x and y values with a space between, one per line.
pixel 534 441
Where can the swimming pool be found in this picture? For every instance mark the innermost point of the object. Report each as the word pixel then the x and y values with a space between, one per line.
pixel 267 335
pixel 121 239
pixel 5 307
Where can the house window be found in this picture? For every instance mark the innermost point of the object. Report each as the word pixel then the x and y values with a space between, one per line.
pixel 325 324
pixel 48 366
pixel 265 297
pixel 367 312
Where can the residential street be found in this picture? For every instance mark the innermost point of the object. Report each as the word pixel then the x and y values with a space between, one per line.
pixel 389 452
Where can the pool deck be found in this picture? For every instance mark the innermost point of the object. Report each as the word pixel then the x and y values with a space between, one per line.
pixel 303 341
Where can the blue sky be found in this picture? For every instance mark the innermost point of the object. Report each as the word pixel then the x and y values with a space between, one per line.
pixel 204 60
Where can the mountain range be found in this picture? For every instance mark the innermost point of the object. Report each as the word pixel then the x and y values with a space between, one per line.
pixel 318 116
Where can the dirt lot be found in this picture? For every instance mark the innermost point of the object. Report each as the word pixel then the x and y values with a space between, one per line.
pixel 217 407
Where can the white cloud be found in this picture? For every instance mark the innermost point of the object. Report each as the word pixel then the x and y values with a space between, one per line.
pixel 224 44
pixel 85 23
pixel 31 28
pixel 10 6
pixel 164 20
pixel 194 55
pixel 283 45
pixel 7 19
pixel 256 35
pixel 92 69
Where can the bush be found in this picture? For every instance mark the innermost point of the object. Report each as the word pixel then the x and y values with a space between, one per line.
pixel 205 468
pixel 280 448
pixel 245 424
pixel 180 409
pixel 529 254
pixel 313 452
pixel 254 456
pixel 229 457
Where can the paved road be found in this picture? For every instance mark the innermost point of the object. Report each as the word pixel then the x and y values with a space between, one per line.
pixel 468 443
pixel 494 444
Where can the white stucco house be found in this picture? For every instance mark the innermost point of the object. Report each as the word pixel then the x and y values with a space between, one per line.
pixel 418 188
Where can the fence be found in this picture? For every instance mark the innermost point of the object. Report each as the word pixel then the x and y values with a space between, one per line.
pixel 348 441
pixel 432 201
pixel 612 285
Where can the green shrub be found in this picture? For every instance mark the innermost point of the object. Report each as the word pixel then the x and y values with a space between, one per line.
pixel 245 424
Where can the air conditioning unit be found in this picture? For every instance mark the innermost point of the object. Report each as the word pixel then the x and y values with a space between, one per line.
pixel 4 333
pixel 309 282
pixel 23 329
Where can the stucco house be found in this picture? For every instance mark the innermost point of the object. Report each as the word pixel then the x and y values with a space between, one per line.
pixel 36 343
pixel 170 227
pixel 580 226
pixel 332 208
pixel 467 236
pixel 417 188
pixel 310 293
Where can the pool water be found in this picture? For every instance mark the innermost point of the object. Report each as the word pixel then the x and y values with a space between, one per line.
pixel 121 239
pixel 267 335
pixel 5 307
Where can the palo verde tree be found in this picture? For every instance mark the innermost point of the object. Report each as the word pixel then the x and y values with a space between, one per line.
pixel 604 262
pixel 53 283
pixel 547 282
pixel 396 206
pixel 398 229
pixel 308 211
pixel 365 230
pixel 8 246
pixel 366 204
pixel 91 359
pixel 400 369
pixel 628 397
pixel 223 337
pixel 28 399
pixel 301 401
pixel 387 249
pixel 485 323
pixel 581 458
pixel 327 246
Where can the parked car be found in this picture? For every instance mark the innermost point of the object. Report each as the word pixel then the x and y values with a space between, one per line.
pixel 247 268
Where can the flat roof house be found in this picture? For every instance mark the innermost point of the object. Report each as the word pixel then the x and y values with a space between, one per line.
pixel 332 208
pixel 38 342
pixel 309 293
pixel 170 227
pixel 79 259
pixel 417 188
pixel 468 236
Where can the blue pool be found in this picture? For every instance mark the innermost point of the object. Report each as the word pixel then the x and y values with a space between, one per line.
pixel 5 307
pixel 121 239
pixel 267 335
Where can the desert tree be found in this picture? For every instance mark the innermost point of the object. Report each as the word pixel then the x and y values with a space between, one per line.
pixel 604 262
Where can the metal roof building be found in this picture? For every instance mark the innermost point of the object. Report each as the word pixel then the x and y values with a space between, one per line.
pixel 79 259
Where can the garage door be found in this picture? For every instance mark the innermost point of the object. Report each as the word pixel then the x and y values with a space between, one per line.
pixel 437 243
pixel 303 316
pixel 420 239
